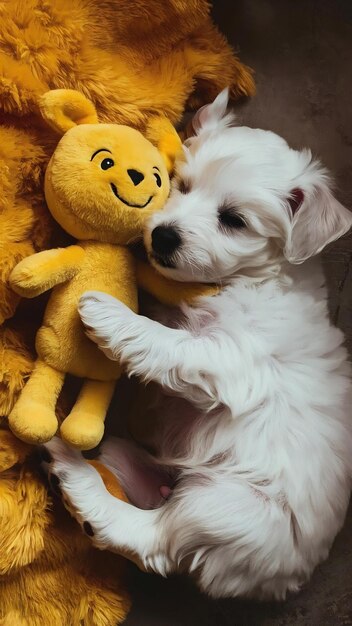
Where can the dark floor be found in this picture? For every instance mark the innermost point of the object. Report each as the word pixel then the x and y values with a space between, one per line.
pixel 302 53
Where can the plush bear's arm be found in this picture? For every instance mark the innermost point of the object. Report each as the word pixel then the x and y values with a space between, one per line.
pixel 170 292
pixel 42 271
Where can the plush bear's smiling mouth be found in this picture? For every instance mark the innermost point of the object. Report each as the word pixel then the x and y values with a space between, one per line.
pixel 137 206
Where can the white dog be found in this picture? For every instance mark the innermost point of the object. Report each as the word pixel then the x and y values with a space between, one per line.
pixel 258 450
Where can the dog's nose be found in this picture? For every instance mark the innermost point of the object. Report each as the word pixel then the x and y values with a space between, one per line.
pixel 135 176
pixel 165 240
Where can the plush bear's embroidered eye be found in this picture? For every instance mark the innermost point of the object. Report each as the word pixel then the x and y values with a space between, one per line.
pixel 229 219
pixel 107 163
pixel 158 179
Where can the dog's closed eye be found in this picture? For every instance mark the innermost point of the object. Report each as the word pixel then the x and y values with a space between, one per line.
pixel 230 219
pixel 184 186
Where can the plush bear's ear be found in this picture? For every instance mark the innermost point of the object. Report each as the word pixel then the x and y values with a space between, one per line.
pixel 163 135
pixel 65 108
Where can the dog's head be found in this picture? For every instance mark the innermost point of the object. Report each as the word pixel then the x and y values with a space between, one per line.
pixel 242 200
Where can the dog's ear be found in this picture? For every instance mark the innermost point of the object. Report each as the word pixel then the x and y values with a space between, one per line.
pixel 317 217
pixel 213 115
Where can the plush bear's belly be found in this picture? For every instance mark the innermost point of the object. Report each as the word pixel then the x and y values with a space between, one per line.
pixel 61 341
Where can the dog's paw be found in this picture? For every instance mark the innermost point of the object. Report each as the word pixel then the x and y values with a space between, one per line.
pixel 79 486
pixel 104 318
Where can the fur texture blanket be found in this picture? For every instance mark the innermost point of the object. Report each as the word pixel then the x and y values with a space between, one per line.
pixel 134 59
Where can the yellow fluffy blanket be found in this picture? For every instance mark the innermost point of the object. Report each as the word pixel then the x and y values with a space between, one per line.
pixel 134 59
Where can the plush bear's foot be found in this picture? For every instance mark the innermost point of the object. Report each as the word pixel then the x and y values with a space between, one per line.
pixel 82 430
pixel 33 422
pixel 84 427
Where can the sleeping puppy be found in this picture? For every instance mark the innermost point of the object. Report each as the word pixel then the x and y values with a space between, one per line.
pixel 255 444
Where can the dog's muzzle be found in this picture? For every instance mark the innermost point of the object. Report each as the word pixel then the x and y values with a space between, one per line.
pixel 165 242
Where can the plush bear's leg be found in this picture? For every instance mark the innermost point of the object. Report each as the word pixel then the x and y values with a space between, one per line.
pixel 33 417
pixel 84 427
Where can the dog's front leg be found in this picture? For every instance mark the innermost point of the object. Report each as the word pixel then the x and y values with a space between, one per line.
pixel 174 358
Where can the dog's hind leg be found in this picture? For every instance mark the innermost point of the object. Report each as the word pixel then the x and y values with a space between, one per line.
pixel 111 523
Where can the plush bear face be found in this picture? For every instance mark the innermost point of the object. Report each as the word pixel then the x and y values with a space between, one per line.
pixel 104 181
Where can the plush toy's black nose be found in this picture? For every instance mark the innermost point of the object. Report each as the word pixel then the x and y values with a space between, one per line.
pixel 135 176
pixel 165 240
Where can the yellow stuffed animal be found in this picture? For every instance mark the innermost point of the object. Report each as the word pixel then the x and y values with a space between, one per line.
pixel 102 183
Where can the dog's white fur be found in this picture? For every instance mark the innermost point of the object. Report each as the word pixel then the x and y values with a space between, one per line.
pixel 262 438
